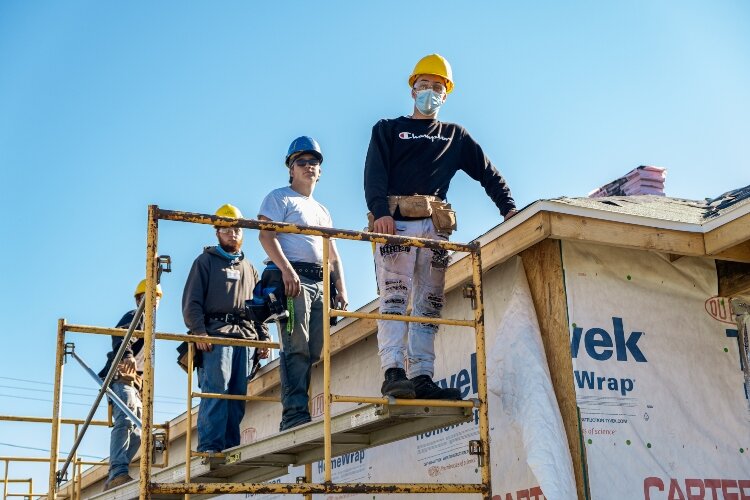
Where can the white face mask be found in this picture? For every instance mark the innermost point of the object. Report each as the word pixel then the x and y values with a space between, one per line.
pixel 428 102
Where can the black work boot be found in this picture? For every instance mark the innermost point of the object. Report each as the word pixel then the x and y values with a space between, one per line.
pixel 396 384
pixel 425 388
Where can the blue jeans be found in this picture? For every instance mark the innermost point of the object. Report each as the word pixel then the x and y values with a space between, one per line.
pixel 126 437
pixel 224 371
pixel 300 348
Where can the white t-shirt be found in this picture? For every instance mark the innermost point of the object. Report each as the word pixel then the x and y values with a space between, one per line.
pixel 287 205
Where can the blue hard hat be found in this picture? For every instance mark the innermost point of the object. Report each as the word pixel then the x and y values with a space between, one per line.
pixel 302 145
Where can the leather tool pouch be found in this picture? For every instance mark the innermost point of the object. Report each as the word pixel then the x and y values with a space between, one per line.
pixel 443 217
pixel 421 206
pixel 130 378
pixel 414 206
pixel 126 378
pixel 182 357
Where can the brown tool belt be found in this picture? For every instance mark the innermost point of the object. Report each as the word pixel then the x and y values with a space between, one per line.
pixel 420 206
pixel 128 379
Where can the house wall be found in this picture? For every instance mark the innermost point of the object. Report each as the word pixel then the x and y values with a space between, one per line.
pixel 657 376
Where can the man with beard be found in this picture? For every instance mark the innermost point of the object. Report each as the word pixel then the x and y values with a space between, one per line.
pixel 213 305
pixel 295 264
pixel 127 384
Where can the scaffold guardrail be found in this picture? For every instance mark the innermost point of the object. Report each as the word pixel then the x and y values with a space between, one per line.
pixel 479 448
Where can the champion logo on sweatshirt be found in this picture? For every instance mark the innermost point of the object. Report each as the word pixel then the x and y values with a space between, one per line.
pixel 432 138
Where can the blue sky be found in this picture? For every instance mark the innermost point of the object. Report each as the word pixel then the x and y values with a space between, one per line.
pixel 106 107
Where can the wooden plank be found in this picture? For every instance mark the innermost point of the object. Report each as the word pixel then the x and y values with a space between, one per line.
pixel 527 234
pixel 574 227
pixel 497 251
pixel 728 235
pixel 544 272
pixel 737 253
pixel 734 278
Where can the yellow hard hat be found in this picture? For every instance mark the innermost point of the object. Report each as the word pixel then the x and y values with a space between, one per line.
pixel 141 288
pixel 229 211
pixel 433 64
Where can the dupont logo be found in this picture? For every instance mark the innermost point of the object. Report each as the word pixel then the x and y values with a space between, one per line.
pixel 248 435
pixel 316 406
pixel 718 308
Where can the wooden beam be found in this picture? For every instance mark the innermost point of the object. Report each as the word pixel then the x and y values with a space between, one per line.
pixel 528 233
pixel 604 232
pixel 734 278
pixel 543 266
pixel 737 253
pixel 728 235
pixel 497 251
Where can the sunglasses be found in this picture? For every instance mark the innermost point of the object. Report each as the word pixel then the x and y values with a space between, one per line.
pixel 301 162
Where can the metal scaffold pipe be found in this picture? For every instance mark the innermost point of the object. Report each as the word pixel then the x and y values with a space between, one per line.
pixel 113 397
pixel 149 346
pixel 326 232
pixel 57 400
pixel 484 423
pixel 327 401
pixel 177 337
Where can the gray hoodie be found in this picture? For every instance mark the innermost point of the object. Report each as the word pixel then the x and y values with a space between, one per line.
pixel 217 285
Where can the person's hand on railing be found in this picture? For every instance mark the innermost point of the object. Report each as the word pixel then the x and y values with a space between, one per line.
pixel 203 346
pixel 384 225
pixel 340 301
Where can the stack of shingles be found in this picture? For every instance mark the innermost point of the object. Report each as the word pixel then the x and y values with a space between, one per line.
pixel 642 180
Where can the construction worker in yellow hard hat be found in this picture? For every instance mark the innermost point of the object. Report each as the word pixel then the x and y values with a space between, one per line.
pixel 141 288
pixel 213 305
pixel 228 210
pixel 410 163
pixel 126 384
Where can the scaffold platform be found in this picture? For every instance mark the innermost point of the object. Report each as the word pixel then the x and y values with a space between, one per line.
pixel 365 426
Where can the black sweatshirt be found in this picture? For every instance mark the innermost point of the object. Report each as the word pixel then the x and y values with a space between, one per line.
pixel 409 156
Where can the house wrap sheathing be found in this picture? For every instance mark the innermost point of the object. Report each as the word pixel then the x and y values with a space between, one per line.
pixel 614 366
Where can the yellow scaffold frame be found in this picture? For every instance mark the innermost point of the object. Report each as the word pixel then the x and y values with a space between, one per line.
pixel 56 421
pixel 6 460
pixel 146 487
